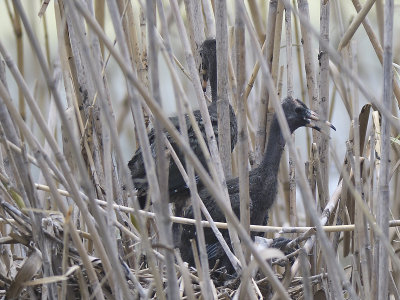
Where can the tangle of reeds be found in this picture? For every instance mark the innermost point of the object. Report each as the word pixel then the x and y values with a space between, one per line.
pixel 83 82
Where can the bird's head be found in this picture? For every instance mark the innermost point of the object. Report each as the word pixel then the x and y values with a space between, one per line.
pixel 208 53
pixel 299 115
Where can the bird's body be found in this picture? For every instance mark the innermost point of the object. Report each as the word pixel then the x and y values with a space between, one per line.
pixel 177 188
pixel 262 182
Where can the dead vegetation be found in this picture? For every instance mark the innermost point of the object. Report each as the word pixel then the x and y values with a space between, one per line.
pixel 80 86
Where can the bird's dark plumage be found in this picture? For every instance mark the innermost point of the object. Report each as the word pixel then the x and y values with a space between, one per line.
pixel 178 190
pixel 263 185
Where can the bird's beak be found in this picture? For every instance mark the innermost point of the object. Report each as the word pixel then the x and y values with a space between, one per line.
pixel 203 78
pixel 313 116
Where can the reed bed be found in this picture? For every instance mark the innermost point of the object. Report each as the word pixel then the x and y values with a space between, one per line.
pixel 83 82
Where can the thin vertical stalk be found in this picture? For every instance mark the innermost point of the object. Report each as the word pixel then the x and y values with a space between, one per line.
pixel 196 27
pixel 322 140
pixel 224 136
pixel 209 18
pixel 361 229
pixel 16 20
pixel 277 42
pixel 289 80
pixel 275 58
pixel 308 55
pixel 257 19
pixel 380 19
pixel 383 203
pixel 243 149
pixel 99 10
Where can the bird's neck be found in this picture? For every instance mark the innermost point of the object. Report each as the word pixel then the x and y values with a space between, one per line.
pixel 275 146
pixel 212 67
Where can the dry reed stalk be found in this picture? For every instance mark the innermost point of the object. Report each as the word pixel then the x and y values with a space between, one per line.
pixel 224 136
pixel 209 18
pixel 99 11
pixel 361 238
pixel 16 22
pixel 276 284
pixel 289 79
pixel 243 149
pixel 317 102
pixel 91 130
pixel 308 56
pixel 383 206
pixel 185 275
pixel 323 101
pixel 196 33
pixel 257 20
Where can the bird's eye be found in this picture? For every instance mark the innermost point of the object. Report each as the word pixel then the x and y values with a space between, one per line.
pixel 298 110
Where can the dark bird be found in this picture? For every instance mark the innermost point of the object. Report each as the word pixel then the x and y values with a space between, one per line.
pixel 263 186
pixel 178 190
